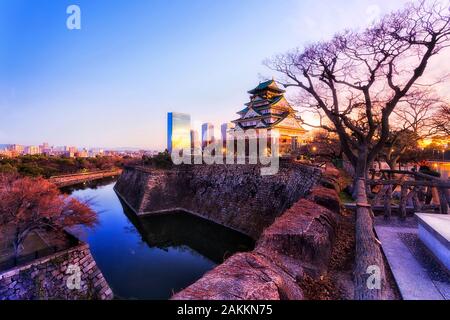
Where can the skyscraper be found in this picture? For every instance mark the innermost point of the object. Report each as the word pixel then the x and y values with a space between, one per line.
pixel 224 129
pixel 207 134
pixel 178 131
pixel 195 143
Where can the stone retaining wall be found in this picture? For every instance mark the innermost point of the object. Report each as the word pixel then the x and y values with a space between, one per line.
pixel 46 278
pixel 296 245
pixel 236 196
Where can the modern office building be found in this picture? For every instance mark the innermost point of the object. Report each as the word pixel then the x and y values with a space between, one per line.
pixel 195 142
pixel 207 134
pixel 178 131
pixel 225 129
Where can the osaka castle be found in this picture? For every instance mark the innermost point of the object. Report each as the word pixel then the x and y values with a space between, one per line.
pixel 268 110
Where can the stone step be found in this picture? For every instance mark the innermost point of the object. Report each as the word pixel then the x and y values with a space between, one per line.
pixel 434 232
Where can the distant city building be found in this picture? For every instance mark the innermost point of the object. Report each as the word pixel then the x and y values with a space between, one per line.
pixel 269 110
pixel 45 149
pixel 82 154
pixel 70 149
pixel 195 142
pixel 32 150
pixel 70 152
pixel 5 153
pixel 96 152
pixel 178 131
pixel 17 149
pixel 225 129
pixel 207 134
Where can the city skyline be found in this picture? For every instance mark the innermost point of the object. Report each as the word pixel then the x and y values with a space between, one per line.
pixel 47 77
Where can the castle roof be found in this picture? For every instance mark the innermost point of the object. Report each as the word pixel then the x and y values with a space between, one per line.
pixel 268 108
pixel 269 85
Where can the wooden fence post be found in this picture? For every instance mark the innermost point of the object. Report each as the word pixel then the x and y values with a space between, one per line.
pixel 403 196
pixel 443 202
pixel 387 202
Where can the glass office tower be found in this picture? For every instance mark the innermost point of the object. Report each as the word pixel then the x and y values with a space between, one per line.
pixel 178 131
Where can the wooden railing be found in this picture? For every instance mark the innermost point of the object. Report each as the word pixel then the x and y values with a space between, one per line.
pixel 419 192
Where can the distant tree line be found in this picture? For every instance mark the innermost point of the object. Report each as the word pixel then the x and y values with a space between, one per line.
pixel 45 166
pixel 162 160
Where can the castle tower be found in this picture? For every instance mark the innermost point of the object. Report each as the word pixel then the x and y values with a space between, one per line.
pixel 268 109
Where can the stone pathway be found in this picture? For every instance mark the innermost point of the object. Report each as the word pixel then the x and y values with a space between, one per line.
pixel 417 273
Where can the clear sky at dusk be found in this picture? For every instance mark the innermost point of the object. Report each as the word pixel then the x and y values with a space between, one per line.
pixel 112 83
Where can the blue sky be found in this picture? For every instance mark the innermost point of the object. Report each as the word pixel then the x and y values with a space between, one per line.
pixel 112 83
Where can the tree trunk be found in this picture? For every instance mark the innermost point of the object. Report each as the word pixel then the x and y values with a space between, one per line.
pixel 369 266
pixel 392 163
pixel 387 202
pixel 360 169
pixel 443 201
pixel 403 202
pixel 16 243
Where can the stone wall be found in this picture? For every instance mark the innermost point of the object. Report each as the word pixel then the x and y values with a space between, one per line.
pixel 46 278
pixel 236 196
pixel 297 244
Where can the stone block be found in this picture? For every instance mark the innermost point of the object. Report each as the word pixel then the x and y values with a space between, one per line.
pixel 244 276
pixel 434 232
pixel 327 198
pixel 304 233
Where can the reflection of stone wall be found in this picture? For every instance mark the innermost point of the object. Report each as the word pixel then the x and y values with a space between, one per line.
pixel 46 278
pixel 236 196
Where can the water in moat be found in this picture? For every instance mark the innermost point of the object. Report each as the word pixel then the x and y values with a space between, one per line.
pixel 152 257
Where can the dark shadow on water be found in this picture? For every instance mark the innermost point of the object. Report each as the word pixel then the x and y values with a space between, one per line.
pixel 184 230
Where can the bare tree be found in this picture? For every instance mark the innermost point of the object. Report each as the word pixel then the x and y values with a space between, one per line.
pixel 356 80
pixel 32 204
pixel 441 120
pixel 412 121
pixel 325 145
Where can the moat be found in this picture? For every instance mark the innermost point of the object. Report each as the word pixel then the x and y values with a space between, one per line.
pixel 152 257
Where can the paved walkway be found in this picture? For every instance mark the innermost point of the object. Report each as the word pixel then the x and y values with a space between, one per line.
pixel 418 274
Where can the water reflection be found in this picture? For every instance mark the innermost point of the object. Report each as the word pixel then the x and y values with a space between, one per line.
pixel 181 229
pixel 152 257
